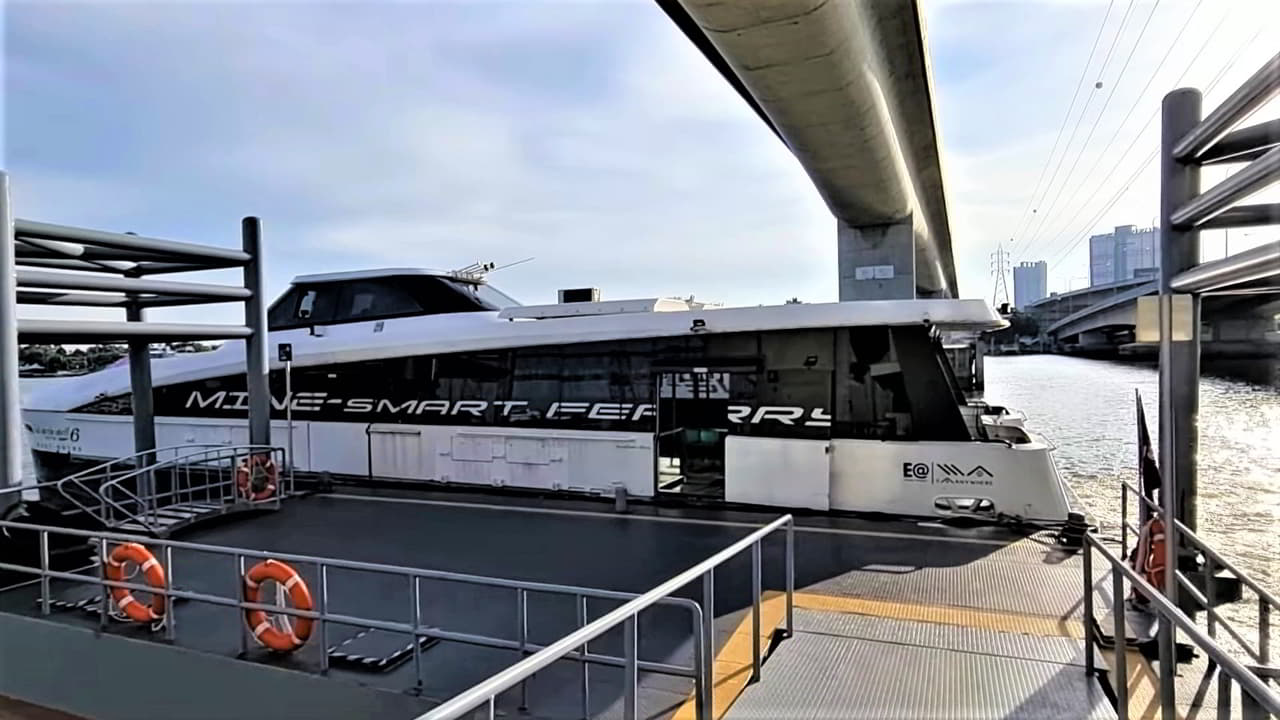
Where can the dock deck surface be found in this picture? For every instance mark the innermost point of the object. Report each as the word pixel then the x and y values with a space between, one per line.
pixel 894 618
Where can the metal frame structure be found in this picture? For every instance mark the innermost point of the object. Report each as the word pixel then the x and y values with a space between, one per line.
pixel 573 647
pixel 485 693
pixel 45 264
pixel 1257 700
pixel 1189 141
pixel 199 475
pixel 1260 650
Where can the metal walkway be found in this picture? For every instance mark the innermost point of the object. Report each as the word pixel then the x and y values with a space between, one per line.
pixel 858 666
pixel 998 637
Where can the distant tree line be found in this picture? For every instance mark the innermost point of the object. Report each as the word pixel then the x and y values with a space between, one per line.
pixel 38 359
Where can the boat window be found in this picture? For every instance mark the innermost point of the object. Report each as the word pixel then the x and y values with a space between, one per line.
pixel 372 299
pixel 934 410
pixel 446 295
pixel 871 399
pixel 303 306
pixel 494 296
pixel 281 312
pixel 476 384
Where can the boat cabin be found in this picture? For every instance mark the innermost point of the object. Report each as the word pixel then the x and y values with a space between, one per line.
pixel 361 296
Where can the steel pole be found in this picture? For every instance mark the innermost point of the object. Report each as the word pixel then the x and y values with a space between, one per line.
pixel 1179 358
pixel 10 392
pixel 144 413
pixel 255 346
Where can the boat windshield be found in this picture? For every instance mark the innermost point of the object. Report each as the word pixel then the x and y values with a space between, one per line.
pixel 363 299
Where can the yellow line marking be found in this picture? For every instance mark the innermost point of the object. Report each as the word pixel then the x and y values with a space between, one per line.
pixel 1042 625
pixel 1144 695
pixel 732 667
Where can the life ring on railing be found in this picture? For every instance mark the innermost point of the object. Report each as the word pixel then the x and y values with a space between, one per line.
pixel 296 630
pixel 256 477
pixel 151 572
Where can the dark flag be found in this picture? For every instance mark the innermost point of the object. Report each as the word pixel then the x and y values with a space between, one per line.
pixel 1148 469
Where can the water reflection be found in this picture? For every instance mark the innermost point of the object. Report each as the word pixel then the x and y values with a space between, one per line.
pixel 1086 408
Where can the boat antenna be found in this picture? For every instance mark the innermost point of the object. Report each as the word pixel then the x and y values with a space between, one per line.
pixel 513 264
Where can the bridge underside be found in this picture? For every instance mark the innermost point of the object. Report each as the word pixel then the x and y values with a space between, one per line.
pixel 847 86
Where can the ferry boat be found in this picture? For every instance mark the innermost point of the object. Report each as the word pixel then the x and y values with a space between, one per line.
pixel 426 376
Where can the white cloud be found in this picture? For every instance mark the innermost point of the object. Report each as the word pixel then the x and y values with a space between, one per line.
pixel 590 135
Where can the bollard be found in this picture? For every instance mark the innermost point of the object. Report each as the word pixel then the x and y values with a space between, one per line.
pixel 619 498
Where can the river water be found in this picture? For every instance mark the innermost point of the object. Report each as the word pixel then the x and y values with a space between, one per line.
pixel 1086 408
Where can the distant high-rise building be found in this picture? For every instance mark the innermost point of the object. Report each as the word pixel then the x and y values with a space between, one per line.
pixel 1030 283
pixel 1128 252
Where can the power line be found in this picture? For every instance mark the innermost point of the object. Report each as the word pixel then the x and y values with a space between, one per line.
pixel 1138 101
pixel 1156 110
pixel 1083 111
pixel 1084 71
pixel 1231 63
pixel 1066 181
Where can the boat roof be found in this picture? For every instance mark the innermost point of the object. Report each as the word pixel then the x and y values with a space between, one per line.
pixel 381 273
pixel 486 330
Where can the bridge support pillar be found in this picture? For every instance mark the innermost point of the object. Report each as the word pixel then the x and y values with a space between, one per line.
pixel 877 262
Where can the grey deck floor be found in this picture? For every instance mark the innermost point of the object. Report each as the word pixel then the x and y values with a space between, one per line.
pixel 888 561
pixel 852 666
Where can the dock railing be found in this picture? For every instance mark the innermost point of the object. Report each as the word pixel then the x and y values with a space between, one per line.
pixel 1266 602
pixel 1257 700
pixel 573 648
pixel 485 694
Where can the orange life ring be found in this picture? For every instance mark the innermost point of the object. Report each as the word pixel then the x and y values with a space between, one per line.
pixel 299 629
pixel 246 472
pixel 151 571
pixel 1153 564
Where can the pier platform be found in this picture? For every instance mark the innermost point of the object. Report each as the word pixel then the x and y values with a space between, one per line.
pixel 893 618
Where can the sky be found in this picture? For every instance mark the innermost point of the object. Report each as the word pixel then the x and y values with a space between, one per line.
pixel 590 136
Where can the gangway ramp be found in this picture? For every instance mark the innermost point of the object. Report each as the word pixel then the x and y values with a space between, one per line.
pixel 998 637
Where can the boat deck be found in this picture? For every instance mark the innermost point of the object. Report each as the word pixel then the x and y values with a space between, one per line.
pixel 893 618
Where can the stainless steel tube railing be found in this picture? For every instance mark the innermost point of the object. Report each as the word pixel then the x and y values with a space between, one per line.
pixel 486 693
pixel 701 622
pixel 1256 697
pixel 218 458
pixel 1267 602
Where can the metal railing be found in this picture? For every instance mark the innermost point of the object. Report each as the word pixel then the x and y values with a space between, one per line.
pixel 88 481
pixel 190 473
pixel 1256 698
pixel 485 694
pixel 207 476
pixel 1260 651
pixel 83 484
pixel 324 617
pixel 701 622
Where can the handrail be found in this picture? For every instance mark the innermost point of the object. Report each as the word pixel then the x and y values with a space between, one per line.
pixel 489 689
pixel 146 505
pixel 128 465
pixel 1249 682
pixel 104 467
pixel 324 616
pixel 425 574
pixel 1204 547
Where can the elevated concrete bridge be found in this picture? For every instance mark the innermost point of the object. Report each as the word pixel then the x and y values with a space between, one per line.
pixel 846 84
pixel 1105 316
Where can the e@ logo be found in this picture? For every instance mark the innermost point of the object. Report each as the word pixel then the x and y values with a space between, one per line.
pixel 946 474
pixel 915 471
